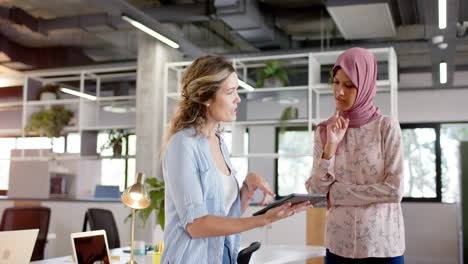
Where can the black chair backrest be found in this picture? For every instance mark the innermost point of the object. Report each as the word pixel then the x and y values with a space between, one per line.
pixel 103 219
pixel 246 253
pixel 28 217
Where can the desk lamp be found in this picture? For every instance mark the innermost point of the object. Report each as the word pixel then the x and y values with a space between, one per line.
pixel 135 197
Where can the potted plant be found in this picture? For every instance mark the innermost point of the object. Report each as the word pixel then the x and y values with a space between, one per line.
pixel 289 113
pixel 50 121
pixel 115 141
pixel 49 92
pixel 155 189
pixel 273 71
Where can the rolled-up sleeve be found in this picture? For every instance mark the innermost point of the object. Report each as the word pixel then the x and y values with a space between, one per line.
pixel 322 175
pixel 182 179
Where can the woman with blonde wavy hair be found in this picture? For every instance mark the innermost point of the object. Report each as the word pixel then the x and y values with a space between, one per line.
pixel 203 199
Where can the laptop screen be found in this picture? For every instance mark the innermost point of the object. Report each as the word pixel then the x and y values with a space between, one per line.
pixel 91 249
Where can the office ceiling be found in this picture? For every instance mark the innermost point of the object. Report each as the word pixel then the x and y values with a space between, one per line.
pixel 58 33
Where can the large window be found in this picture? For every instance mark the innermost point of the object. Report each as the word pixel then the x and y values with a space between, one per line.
pixel 421 162
pixel 450 137
pixel 292 169
pixel 431 161
pixel 114 171
pixel 58 145
pixel 121 170
pixel 241 164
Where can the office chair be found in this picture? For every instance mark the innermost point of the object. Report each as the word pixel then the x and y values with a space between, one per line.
pixel 103 219
pixel 245 254
pixel 28 217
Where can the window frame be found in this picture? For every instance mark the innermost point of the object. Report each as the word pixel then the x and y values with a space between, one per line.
pixel 125 156
pixel 437 126
pixel 277 132
pixel 438 162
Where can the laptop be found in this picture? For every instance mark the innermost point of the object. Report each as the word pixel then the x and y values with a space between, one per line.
pixel 90 247
pixel 17 246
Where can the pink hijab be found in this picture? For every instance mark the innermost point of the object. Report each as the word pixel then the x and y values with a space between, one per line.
pixel 361 67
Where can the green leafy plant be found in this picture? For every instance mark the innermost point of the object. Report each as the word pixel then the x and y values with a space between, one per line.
pixel 289 113
pixel 273 69
pixel 156 190
pixel 115 141
pixel 49 88
pixel 50 121
pixel 330 78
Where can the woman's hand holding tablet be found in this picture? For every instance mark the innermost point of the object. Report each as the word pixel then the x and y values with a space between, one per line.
pixel 293 199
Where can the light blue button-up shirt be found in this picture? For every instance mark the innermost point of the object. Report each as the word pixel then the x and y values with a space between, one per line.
pixel 194 189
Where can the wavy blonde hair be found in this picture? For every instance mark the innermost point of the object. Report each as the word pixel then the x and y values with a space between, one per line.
pixel 200 82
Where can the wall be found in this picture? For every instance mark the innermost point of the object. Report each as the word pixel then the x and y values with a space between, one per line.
pixel 10 119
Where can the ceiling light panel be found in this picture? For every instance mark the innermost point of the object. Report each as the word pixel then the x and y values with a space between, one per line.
pixel 362 21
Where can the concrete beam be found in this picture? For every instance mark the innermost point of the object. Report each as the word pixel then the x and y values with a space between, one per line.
pixel 120 7
pixel 86 22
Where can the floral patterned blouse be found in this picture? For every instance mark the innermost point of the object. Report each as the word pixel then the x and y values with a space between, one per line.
pixel 364 180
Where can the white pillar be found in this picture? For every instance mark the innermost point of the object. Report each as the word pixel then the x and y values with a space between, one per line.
pixel 152 56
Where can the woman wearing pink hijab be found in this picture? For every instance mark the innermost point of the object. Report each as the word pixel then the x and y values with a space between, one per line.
pixel 358 163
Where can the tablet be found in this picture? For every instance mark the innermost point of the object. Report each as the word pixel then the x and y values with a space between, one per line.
pixel 90 247
pixel 294 198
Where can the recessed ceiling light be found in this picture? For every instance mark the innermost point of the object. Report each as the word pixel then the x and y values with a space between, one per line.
pixel 443 72
pixel 80 94
pixel 437 39
pixel 442 46
pixel 245 85
pixel 442 14
pixel 150 32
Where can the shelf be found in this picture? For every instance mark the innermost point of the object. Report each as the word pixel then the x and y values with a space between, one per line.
pixel 54 156
pixel 315 103
pixel 266 122
pixel 277 89
pixel 174 96
pixel 322 88
pixel 116 98
pixel 327 86
pixel 11 131
pixel 92 128
pixel 70 128
pixel 11 104
pixel 54 102
pixel 271 155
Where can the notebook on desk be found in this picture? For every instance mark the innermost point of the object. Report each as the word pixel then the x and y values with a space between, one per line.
pixel 90 247
pixel 17 246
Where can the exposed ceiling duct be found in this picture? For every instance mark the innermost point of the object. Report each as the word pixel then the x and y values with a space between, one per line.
pixel 369 19
pixel 247 20
pixel 25 58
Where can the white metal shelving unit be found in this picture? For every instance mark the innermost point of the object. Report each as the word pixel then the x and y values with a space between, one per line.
pixel 89 115
pixel 314 89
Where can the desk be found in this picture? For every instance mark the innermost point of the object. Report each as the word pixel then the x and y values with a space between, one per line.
pixel 124 258
pixel 267 254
